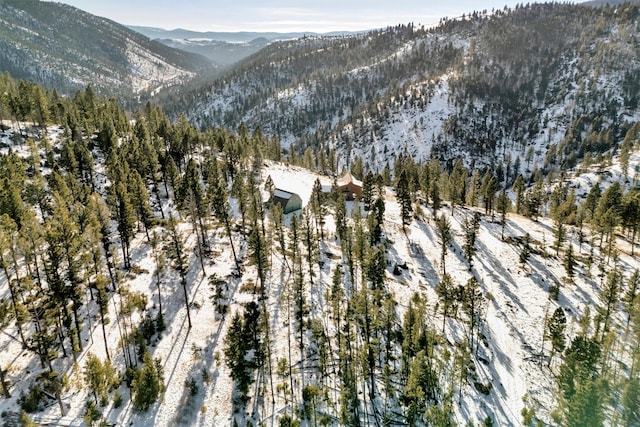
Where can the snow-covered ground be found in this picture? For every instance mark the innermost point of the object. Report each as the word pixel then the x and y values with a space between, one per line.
pixel 510 358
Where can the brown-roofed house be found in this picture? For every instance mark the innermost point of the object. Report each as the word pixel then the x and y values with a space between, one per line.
pixel 351 188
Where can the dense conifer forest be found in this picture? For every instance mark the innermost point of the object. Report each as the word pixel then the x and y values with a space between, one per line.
pixel 147 279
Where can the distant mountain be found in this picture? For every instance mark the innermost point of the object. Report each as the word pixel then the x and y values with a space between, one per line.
pixel 230 37
pixel 65 48
pixel 223 48
pixel 219 52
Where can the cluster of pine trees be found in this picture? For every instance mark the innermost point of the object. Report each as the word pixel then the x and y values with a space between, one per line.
pixel 69 213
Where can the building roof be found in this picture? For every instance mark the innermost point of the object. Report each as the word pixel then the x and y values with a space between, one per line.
pixel 281 194
pixel 348 178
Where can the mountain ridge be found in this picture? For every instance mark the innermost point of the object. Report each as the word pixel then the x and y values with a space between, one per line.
pixel 507 73
pixel 66 48
pixel 229 36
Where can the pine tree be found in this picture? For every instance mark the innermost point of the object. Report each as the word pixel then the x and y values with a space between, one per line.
pixel 629 298
pixel 124 213
pixel 148 383
pixel 609 296
pixel 631 403
pixel 220 205
pixel 488 191
pixel 300 310
pixel 160 265
pixel 443 231
pixel 526 249
pixel 191 197
pixel 103 306
pixel 367 191
pixel 100 378
pixel 446 291
pixel 503 204
pixel 470 228
pixel 180 261
pixel 586 407
pixel 474 189
pixel 422 388
pixel 556 327
pixel 65 266
pixel 607 215
pixel 318 207
pixel 375 220
pixel 457 184
pixel 8 237
pixel 140 200
pixel 235 349
pixel 581 395
pixel 631 214
pixel 474 305
pixel 569 261
pixel 404 198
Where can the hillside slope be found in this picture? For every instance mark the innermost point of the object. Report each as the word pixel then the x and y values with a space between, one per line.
pixel 65 48
pixel 489 87
pixel 490 362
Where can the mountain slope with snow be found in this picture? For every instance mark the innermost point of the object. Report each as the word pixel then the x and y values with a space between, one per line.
pixel 489 87
pixel 510 368
pixel 65 48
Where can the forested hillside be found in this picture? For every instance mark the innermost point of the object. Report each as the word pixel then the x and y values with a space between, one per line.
pixel 497 88
pixel 66 49
pixel 144 281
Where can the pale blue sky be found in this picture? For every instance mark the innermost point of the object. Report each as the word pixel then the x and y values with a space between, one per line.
pixel 281 15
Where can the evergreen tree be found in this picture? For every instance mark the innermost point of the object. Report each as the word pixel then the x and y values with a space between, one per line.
pixel 220 205
pixel 503 204
pixel 367 191
pixel 629 298
pixel 470 228
pixel 631 214
pixel 124 213
pixel 191 197
pixel 140 200
pixel 375 220
pixel 235 349
pixel 474 189
pixel 100 377
pixel 609 297
pixel 422 388
pixel 570 262
pixel 474 305
pixel 581 395
pixel 556 327
pixel 147 384
pixel 404 198
pixel 631 403
pixel 443 232
pixel 488 190
pixel 457 184
pixel 526 249
pixel 180 262
pixel 318 207
pixel 446 291
pixel 607 215
pixel 103 306
pixel 8 237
